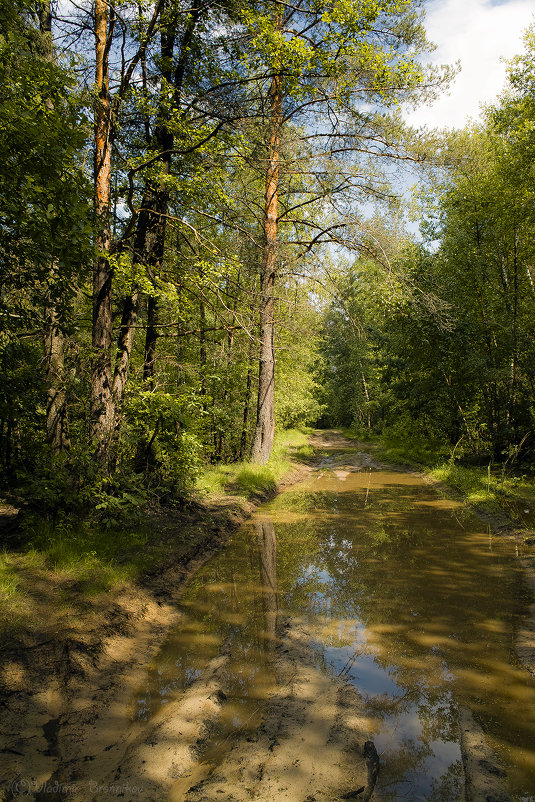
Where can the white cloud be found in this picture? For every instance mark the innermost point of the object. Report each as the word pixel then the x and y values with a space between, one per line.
pixel 478 33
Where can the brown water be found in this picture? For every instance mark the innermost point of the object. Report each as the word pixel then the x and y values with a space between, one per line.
pixel 407 598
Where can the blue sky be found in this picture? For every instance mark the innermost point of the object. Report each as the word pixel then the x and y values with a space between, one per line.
pixel 479 33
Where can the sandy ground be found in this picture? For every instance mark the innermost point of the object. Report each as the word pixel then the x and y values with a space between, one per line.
pixel 309 745
pixel 67 729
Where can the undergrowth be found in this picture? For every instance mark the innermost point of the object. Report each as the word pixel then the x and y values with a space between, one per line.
pixel 65 561
pixel 246 480
pixel 492 487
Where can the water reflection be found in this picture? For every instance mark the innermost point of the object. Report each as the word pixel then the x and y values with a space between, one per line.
pixel 408 603
pixel 267 553
pixel 405 600
pixel 231 606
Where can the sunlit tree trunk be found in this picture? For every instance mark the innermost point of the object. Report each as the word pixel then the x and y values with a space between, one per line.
pixel 101 380
pixel 265 418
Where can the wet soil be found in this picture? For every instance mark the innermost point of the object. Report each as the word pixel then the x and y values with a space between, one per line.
pixel 152 705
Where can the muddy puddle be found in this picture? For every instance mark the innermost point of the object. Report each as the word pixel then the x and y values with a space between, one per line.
pixel 405 597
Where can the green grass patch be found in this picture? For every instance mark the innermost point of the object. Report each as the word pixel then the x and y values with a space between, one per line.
pixel 61 568
pixel 491 488
pixel 245 479
pixel 13 599
pixel 85 549
pixel 472 482
pixel 254 479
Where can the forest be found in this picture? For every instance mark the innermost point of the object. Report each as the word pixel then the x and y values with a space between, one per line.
pixel 267 408
pixel 204 239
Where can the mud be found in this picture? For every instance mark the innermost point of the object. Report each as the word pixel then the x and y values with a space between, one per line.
pixel 69 730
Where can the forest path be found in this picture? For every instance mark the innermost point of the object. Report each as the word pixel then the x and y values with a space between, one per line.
pixel 295 648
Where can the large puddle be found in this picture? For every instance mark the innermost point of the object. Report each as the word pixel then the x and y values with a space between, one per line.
pixel 407 598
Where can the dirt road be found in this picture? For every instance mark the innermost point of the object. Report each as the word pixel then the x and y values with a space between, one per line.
pixel 76 738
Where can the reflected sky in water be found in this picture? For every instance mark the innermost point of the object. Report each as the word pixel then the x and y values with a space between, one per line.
pixel 406 597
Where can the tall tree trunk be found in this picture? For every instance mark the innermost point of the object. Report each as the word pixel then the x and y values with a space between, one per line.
pixel 511 417
pixel 265 418
pixel 45 26
pixel 101 381
pixel 150 342
pixel 247 401
pixel 203 357
pixel 57 429
pixel 125 344
pixel 159 203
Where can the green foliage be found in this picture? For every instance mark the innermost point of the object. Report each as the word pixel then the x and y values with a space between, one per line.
pixel 161 440
pixel 199 261
pixel 117 503
pixel 44 218
pixel 296 387
pixel 405 440
pixel 22 446
pixel 441 351
pixel 339 44
pixel 355 356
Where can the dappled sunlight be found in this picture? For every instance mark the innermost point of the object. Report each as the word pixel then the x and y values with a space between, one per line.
pixel 435 600
pixel 402 599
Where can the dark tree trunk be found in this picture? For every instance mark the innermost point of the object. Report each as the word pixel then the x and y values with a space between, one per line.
pixel 150 342
pixel 129 317
pixel 158 205
pixel 101 382
pixel 57 428
pixel 247 401
pixel 202 350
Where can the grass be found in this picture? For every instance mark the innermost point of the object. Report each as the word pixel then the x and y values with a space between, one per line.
pixel 492 489
pixel 59 577
pixel 472 482
pixel 12 596
pixel 63 568
pixel 246 480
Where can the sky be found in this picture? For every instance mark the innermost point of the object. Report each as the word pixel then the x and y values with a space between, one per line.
pixel 478 33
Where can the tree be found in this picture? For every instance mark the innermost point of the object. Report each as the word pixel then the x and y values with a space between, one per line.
pixel 320 71
pixel 44 234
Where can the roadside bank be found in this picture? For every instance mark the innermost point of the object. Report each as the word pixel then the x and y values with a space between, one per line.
pixel 76 638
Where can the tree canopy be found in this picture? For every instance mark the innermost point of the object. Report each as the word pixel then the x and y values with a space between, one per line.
pixel 188 257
